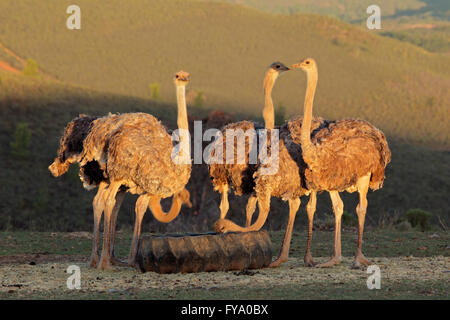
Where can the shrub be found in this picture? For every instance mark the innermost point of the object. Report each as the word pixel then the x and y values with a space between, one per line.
pixel 418 218
pixel 20 146
pixel 154 91
pixel 348 219
pixel 31 68
pixel 199 100
pixel 403 226
pixel 280 115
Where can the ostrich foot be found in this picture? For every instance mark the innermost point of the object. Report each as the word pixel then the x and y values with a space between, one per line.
pixel 105 264
pixel 334 261
pixel 360 261
pixel 308 260
pixel 93 261
pixel 277 262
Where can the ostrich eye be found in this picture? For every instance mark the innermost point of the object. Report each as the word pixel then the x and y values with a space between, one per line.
pixel 177 76
pixel 307 62
pixel 277 66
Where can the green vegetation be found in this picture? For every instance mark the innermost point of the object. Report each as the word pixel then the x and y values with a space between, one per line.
pixel 199 100
pixel 280 115
pixel 422 256
pixel 423 23
pixel 398 87
pixel 20 146
pixel 384 81
pixel 418 218
pixel 433 40
pixel 154 91
pixel 35 200
pixel 31 68
pixel 352 10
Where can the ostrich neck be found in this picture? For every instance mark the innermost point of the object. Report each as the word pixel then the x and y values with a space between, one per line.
pixel 182 120
pixel 268 111
pixel 312 78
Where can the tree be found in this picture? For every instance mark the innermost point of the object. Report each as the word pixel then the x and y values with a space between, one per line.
pixel 280 115
pixel 199 100
pixel 20 146
pixel 31 68
pixel 154 91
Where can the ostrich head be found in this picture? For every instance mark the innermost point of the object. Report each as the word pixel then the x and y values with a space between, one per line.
pixel 308 64
pixel 279 67
pixel 275 69
pixel 182 78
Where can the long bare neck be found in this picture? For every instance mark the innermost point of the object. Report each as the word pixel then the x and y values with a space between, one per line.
pixel 268 111
pixel 183 127
pixel 182 119
pixel 312 78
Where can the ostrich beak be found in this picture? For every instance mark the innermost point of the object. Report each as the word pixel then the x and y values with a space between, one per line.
pixel 295 66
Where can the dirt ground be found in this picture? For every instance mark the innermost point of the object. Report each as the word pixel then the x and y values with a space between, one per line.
pixel 33 275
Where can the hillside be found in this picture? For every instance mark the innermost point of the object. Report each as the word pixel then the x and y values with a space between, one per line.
pixel 122 48
pixel 424 23
pixel 354 10
pixel 32 199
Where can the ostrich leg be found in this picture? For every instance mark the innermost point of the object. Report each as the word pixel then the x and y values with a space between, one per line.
pixel 140 208
pixel 105 259
pixel 250 209
pixel 99 205
pixel 284 252
pixel 119 199
pixel 338 208
pixel 310 209
pixel 224 225
pixel 224 204
pixel 363 187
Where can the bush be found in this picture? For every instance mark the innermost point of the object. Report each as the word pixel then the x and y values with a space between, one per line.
pixel 349 219
pixel 199 100
pixel 418 218
pixel 154 91
pixel 31 68
pixel 280 115
pixel 20 146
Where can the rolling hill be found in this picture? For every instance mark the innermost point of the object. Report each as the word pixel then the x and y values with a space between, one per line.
pixel 123 48
pixel 108 66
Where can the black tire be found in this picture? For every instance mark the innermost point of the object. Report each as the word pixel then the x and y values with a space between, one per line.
pixel 204 252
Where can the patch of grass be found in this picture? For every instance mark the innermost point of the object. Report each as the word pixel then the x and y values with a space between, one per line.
pixel 413 266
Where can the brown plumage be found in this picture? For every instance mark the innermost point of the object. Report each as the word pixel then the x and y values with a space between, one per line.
pixel 135 152
pixel 320 155
pixel 240 173
pixel 239 176
pixel 71 144
pixel 91 174
pixel 346 150
pixel 348 155
pixel 286 183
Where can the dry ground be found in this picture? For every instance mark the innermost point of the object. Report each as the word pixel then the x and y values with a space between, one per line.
pixel 414 265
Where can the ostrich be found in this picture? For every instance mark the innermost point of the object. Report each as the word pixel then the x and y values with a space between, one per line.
pixel 348 155
pixel 135 150
pixel 286 183
pixel 70 150
pixel 240 175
